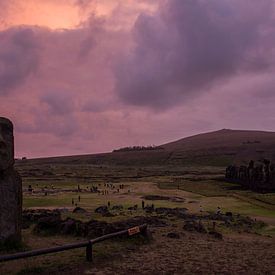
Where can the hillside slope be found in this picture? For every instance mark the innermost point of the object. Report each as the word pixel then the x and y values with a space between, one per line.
pixel 224 146
pixel 218 148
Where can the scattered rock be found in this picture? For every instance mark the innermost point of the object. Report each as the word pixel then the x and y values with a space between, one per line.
pixel 108 214
pixel 49 225
pixel 102 209
pixel 149 209
pixel 117 207
pixel 63 210
pixel 135 207
pixel 138 220
pixel 79 210
pixel 30 216
pixel 216 234
pixel 173 235
pixel 68 226
pixel 53 224
pixel 194 226
pixel 178 212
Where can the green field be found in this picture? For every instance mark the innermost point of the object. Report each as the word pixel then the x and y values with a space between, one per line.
pixel 204 185
pixel 197 188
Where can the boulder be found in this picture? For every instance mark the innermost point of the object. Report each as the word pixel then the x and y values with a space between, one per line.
pixel 30 216
pixel 68 226
pixel 216 235
pixel 79 210
pixel 173 235
pixel 178 212
pixel 117 207
pixel 135 207
pixel 49 225
pixel 102 209
pixel 194 226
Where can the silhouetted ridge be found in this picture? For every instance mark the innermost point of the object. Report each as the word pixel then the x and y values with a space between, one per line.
pixel 217 148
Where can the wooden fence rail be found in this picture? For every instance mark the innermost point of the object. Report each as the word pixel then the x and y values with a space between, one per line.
pixel 142 229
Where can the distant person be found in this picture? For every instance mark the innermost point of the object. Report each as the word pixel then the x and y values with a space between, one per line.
pixel 218 211
pixel 142 203
pixel 72 201
pixel 214 226
pixel 79 198
pixel 201 210
pixel 109 204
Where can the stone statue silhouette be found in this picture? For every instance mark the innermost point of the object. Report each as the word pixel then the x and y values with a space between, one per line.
pixel 10 186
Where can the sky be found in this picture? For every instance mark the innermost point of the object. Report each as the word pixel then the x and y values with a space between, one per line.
pixel 90 76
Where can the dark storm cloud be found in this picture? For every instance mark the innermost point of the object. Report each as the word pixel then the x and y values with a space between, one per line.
pixel 56 125
pixel 77 87
pixel 189 46
pixel 59 102
pixel 18 57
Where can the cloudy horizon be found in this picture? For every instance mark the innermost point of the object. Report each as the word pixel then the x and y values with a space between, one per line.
pixel 88 76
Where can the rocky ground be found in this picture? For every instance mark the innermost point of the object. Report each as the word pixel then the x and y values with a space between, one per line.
pixel 188 235
pixel 193 253
pixel 181 243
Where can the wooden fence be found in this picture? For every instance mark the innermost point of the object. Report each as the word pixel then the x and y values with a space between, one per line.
pixel 142 229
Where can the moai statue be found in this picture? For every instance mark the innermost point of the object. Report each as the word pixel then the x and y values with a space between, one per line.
pixel 250 171
pixel 10 187
pixel 266 170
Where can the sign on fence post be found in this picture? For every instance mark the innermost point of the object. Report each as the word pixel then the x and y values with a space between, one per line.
pixel 133 230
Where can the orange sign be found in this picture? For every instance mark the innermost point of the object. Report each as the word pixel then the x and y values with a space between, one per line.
pixel 133 230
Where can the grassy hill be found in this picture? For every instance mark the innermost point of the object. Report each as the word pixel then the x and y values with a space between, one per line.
pixel 218 148
pixel 223 147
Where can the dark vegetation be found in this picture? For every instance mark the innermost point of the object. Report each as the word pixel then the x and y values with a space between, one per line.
pixel 138 148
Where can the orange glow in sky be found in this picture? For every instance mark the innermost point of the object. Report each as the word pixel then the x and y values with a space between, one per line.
pixel 51 14
pixel 60 14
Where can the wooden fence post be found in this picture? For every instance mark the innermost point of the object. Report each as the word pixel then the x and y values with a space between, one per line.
pixel 88 244
pixel 89 252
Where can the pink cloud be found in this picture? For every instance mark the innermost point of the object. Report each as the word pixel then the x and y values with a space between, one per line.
pixel 184 68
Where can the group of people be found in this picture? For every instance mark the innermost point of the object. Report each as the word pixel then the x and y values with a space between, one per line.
pixel 105 190
pixel 75 203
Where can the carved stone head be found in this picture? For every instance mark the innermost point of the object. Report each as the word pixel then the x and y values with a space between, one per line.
pixel 6 144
